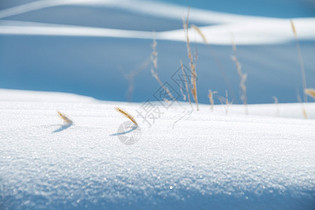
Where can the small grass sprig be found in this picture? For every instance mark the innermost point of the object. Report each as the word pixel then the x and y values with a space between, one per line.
pixel 127 115
pixel 298 47
pixel 225 100
pixel 210 96
pixel 65 118
pixel 200 33
pixel 186 82
pixel 310 92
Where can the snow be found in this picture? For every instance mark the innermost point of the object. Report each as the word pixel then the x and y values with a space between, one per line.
pixel 246 30
pixel 207 160
pixel 245 33
pixel 147 7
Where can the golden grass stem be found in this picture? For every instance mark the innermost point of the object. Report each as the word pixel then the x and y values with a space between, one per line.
pixel 191 62
pixel 200 33
pixel 298 47
pixel 304 113
pixel 64 117
pixel 310 92
pixel 126 115
pixel 186 82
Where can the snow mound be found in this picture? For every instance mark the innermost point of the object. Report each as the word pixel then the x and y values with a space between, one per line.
pixel 204 161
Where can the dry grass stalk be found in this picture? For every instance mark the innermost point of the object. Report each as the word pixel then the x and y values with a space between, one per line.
pixel 225 100
pixel 182 92
pixel 304 113
pixel 210 95
pixel 154 59
pixel 192 63
pixel 293 29
pixel 310 92
pixel 186 82
pixel 65 118
pixel 200 33
pixel 300 58
pixel 127 115
pixel 242 76
pixel 131 76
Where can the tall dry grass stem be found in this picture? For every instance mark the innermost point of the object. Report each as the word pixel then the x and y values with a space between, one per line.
pixel 154 59
pixel 186 82
pixel 127 115
pixel 210 96
pixel 200 33
pixel 298 47
pixel 225 101
pixel 242 76
pixel 192 63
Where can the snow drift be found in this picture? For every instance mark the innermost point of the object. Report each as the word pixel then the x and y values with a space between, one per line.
pixel 208 160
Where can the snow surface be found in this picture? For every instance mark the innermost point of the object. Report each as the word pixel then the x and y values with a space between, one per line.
pixel 207 160
pixel 246 30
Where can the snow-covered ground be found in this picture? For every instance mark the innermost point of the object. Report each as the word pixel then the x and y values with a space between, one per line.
pixel 205 160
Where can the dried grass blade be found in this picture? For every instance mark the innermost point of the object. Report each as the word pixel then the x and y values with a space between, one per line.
pixel 64 117
pixel 310 92
pixel 126 115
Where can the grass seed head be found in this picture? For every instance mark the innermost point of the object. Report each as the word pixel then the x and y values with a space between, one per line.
pixel 64 117
pixel 310 92
pixel 126 115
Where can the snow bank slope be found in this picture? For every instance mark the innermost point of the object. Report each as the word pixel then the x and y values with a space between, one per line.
pixel 208 160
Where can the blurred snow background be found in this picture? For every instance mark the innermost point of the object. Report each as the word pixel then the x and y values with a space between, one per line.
pixel 102 48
